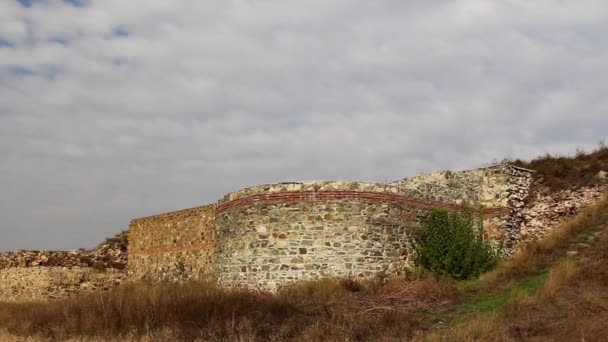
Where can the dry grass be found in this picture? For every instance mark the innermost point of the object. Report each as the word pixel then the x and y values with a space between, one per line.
pixel 560 276
pixel 489 328
pixel 561 172
pixel 162 336
pixel 535 254
pixel 316 311
pixel 571 304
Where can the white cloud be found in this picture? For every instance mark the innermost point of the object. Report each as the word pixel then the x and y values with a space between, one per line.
pixel 130 108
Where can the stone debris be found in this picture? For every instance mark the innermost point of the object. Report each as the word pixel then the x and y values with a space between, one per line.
pixel 110 254
pixel 571 253
pixel 48 275
pixel 548 210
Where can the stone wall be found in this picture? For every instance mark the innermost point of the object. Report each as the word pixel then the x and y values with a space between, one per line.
pixel 29 275
pixel 276 234
pixel 272 235
pixel 502 186
pixel 494 186
pixel 24 284
pixel 173 246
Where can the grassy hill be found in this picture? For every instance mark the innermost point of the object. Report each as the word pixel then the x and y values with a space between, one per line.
pixel 554 290
pixel 563 172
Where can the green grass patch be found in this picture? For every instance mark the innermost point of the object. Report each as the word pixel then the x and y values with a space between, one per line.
pixel 485 305
pixel 528 286
pixel 484 297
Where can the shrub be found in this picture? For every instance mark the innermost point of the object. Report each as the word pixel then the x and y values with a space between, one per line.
pixel 452 243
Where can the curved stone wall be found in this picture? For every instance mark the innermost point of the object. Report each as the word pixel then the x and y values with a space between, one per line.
pixel 276 234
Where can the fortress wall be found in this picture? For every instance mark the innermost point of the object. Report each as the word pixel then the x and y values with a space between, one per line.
pixel 272 235
pixel 488 187
pixel 173 246
pixel 503 185
pixel 24 284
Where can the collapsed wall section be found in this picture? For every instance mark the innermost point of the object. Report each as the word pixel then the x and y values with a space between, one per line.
pixel 41 275
pixel 273 235
pixel 173 246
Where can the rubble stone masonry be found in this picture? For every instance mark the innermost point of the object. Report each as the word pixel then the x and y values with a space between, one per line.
pixel 272 235
pixel 173 246
pixel 24 284
pixel 501 186
pixel 276 234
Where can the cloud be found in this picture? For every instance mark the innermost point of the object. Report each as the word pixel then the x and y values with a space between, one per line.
pixel 111 110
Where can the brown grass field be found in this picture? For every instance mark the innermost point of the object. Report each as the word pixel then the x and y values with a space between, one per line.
pixel 563 172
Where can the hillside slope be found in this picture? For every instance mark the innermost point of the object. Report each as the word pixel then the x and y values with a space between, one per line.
pixel 554 290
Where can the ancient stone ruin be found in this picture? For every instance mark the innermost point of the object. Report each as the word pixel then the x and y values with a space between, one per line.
pixel 272 235
pixel 46 275
pixel 268 236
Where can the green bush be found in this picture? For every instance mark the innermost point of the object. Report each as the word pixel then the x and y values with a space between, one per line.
pixel 452 243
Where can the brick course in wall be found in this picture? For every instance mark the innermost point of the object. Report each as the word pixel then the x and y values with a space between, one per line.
pixel 276 234
pixel 500 186
pixel 173 246
pixel 271 235
pixel 333 195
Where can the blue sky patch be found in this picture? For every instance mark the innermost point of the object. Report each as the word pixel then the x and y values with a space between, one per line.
pixel 20 71
pixel 61 40
pixel 120 31
pixel 77 3
pixel 5 42
pixel 26 3
pixel 119 61
pixel 49 72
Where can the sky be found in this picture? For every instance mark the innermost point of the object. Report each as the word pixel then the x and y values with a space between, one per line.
pixel 113 109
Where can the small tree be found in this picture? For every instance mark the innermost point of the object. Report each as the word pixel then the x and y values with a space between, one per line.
pixel 452 243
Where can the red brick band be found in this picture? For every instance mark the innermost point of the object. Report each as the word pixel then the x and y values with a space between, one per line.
pixel 172 249
pixel 318 196
pixel 333 195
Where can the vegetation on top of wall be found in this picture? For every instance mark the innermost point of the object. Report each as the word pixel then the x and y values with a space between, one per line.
pixel 452 243
pixel 563 172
